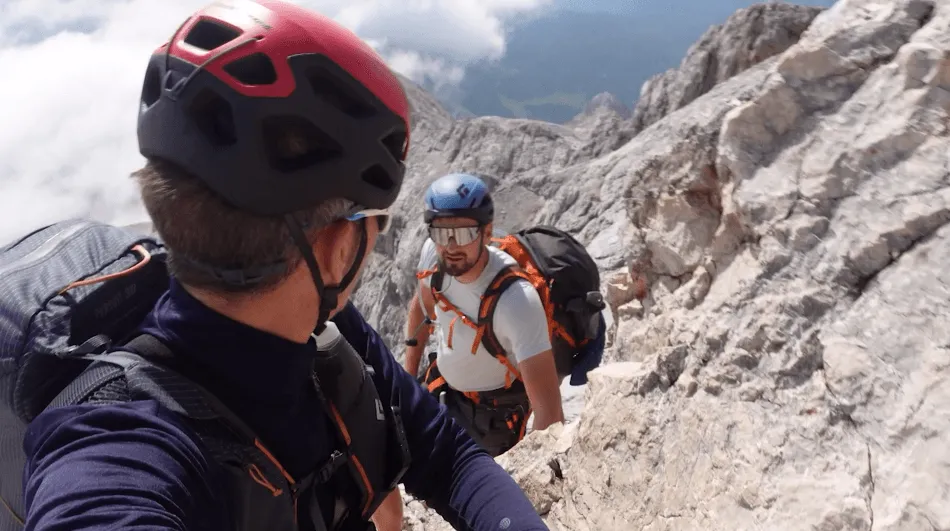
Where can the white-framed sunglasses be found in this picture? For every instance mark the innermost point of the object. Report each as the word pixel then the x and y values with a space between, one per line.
pixel 462 235
pixel 384 219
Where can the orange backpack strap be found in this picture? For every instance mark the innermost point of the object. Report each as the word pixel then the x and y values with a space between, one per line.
pixel 435 286
pixel 486 317
pixel 425 274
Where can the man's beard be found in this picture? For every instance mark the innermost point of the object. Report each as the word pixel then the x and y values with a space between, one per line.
pixel 456 269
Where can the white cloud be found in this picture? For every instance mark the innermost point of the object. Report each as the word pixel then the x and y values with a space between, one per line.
pixel 72 72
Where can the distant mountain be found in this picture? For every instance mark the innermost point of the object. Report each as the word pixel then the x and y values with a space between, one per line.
pixel 557 61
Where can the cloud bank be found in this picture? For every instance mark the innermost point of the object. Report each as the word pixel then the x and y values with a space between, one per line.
pixel 71 74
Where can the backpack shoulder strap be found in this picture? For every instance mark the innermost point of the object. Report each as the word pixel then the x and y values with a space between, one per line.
pixel 374 445
pixel 486 317
pixel 437 278
pixel 151 376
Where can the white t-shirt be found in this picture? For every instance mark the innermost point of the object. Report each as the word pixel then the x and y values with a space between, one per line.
pixel 519 322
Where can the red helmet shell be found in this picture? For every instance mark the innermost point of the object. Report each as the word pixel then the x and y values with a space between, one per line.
pixel 239 73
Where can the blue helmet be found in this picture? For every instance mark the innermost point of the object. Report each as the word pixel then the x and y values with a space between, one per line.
pixel 459 195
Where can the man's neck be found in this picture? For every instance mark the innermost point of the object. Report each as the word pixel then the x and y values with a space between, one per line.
pixel 283 312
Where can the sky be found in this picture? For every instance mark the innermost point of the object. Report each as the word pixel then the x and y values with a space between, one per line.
pixel 71 74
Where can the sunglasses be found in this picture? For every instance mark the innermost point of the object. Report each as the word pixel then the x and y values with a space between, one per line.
pixel 382 216
pixel 462 235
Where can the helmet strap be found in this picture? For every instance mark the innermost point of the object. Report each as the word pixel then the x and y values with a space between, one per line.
pixel 329 295
pixel 481 243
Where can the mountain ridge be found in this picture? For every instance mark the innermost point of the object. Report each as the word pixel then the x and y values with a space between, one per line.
pixel 561 56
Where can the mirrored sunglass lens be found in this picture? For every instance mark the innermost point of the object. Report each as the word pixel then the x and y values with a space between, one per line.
pixel 462 235
pixel 439 236
pixel 465 235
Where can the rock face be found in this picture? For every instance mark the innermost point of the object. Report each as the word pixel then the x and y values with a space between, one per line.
pixel 747 38
pixel 774 254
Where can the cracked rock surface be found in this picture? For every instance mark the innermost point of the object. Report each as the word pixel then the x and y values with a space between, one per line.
pixel 775 256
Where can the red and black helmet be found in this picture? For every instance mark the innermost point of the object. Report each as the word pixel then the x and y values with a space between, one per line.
pixel 241 78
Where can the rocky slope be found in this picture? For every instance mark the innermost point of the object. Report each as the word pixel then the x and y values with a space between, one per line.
pixel 774 253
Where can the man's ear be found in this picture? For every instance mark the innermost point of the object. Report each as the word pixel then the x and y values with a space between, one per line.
pixel 488 230
pixel 334 250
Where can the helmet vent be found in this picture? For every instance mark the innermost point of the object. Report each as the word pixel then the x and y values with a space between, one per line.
pixel 329 89
pixel 152 87
pixel 396 145
pixel 254 69
pixel 213 116
pixel 210 34
pixel 293 143
pixel 377 177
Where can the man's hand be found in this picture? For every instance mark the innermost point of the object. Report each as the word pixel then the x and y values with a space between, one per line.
pixel 388 516
pixel 539 375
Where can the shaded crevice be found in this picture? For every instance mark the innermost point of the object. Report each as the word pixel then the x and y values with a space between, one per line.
pixel 556 468
pixel 925 14
pixel 860 285
pixel 838 411
pixel 920 193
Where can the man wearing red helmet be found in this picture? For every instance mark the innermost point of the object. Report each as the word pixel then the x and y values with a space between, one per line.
pixel 275 141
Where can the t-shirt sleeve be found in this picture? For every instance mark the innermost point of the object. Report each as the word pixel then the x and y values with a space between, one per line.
pixel 428 258
pixel 520 322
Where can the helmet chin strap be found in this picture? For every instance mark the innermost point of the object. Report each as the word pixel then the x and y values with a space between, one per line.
pixel 329 295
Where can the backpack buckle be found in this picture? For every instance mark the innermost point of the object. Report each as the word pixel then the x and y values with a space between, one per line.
pixel 93 346
pixel 595 299
pixel 337 458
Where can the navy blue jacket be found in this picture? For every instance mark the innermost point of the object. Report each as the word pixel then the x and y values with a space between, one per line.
pixel 136 466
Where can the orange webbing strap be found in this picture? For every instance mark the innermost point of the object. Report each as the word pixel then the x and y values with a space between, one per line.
pixel 437 383
pixel 449 307
pixel 421 275
pixel 370 493
pixel 486 314
pixel 512 373
pixel 474 396
pixel 425 274
pixel 524 423
pixel 431 366
pixel 138 249
pixel 262 480
pixel 515 420
pixel 451 331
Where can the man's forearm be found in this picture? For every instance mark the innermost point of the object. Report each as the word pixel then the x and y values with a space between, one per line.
pixel 548 417
pixel 417 331
pixel 413 358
